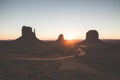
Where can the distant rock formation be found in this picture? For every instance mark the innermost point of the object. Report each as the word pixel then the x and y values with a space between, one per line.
pixel 27 33
pixel 92 36
pixel 60 38
pixel 28 36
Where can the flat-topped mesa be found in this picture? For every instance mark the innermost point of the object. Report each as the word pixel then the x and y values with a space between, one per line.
pixel 27 33
pixel 92 36
pixel 28 36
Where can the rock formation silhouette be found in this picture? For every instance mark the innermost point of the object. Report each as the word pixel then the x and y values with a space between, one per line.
pixel 28 36
pixel 27 33
pixel 60 39
pixel 92 36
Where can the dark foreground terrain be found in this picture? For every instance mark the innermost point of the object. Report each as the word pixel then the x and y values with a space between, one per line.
pixel 58 62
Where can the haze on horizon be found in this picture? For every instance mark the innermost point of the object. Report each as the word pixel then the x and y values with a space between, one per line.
pixel 53 17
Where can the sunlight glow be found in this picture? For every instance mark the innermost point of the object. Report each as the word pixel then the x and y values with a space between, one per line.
pixel 69 37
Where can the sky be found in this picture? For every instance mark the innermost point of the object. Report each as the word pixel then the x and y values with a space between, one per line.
pixel 53 17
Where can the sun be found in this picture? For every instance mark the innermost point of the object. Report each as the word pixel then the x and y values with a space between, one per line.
pixel 69 37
